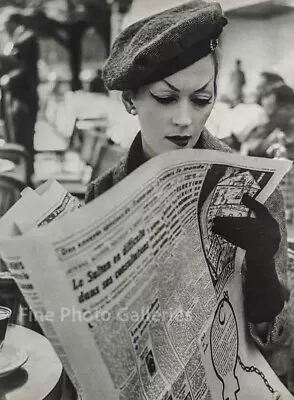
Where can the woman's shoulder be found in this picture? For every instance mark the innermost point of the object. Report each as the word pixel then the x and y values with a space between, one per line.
pixel 106 180
pixel 209 142
pixel 99 185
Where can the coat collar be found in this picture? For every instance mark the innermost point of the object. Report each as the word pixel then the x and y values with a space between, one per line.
pixel 135 156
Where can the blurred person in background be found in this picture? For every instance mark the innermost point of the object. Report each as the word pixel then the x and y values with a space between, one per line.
pixel 22 83
pixel 275 138
pixel 266 79
pixel 268 139
pixel 244 119
pixel 237 82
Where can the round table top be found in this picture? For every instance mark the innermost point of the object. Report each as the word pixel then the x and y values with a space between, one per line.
pixel 40 377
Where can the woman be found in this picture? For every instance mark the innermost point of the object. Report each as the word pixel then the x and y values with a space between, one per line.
pixel 166 67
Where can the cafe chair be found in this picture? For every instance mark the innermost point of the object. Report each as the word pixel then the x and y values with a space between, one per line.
pixel 7 110
pixel 18 155
pixel 105 156
pixel 88 134
pixel 10 191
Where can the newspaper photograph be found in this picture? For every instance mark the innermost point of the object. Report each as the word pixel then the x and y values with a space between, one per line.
pixel 145 301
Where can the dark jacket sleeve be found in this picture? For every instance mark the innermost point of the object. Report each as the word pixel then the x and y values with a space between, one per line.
pixel 99 186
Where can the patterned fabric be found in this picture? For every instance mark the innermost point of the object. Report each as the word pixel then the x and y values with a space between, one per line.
pixel 291 313
pixel 275 346
pixel 291 287
pixel 287 188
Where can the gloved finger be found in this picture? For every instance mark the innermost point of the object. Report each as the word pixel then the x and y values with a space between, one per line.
pixel 236 223
pixel 254 205
pixel 239 240
pixel 241 232
pixel 247 225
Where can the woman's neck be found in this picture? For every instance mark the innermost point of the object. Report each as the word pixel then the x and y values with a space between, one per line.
pixel 147 150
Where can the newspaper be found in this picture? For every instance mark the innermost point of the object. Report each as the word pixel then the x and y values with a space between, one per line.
pixel 145 301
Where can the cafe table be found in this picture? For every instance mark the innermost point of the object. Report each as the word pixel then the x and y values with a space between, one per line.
pixel 16 171
pixel 40 377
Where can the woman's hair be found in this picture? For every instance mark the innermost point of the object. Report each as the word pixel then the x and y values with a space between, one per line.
pixel 283 93
pixel 271 77
pixel 15 18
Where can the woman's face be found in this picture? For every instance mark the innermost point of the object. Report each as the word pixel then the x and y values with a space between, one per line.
pixel 172 112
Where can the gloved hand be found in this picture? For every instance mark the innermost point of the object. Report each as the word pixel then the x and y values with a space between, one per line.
pixel 260 237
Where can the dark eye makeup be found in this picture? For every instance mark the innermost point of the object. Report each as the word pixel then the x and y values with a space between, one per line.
pixel 164 99
pixel 201 101
pixel 168 99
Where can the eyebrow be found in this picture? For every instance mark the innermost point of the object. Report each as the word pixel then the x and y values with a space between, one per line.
pixel 177 90
pixel 171 86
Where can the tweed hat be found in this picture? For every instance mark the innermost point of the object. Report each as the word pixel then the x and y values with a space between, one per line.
pixel 162 44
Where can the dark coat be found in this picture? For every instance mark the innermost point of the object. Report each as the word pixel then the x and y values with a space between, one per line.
pixel 275 346
pixel 24 80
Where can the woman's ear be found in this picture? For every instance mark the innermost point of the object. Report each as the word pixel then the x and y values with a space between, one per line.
pixel 127 98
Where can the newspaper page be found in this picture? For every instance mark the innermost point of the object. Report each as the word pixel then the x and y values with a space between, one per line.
pixel 36 208
pixel 132 280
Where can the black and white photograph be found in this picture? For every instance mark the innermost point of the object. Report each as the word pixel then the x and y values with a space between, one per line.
pixel 146 199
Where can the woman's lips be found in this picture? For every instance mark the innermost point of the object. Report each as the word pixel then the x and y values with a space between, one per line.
pixel 180 141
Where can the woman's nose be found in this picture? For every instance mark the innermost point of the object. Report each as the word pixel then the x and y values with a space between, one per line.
pixel 182 115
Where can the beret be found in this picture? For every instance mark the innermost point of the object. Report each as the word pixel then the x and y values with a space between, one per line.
pixel 162 44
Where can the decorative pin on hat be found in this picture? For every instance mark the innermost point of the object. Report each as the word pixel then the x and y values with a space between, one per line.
pixel 213 44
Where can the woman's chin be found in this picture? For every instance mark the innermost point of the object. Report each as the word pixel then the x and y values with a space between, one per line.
pixel 168 146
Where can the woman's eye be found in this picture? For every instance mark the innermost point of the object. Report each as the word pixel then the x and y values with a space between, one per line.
pixel 201 102
pixel 164 99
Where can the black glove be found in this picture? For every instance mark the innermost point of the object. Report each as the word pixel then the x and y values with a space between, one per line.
pixel 260 237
